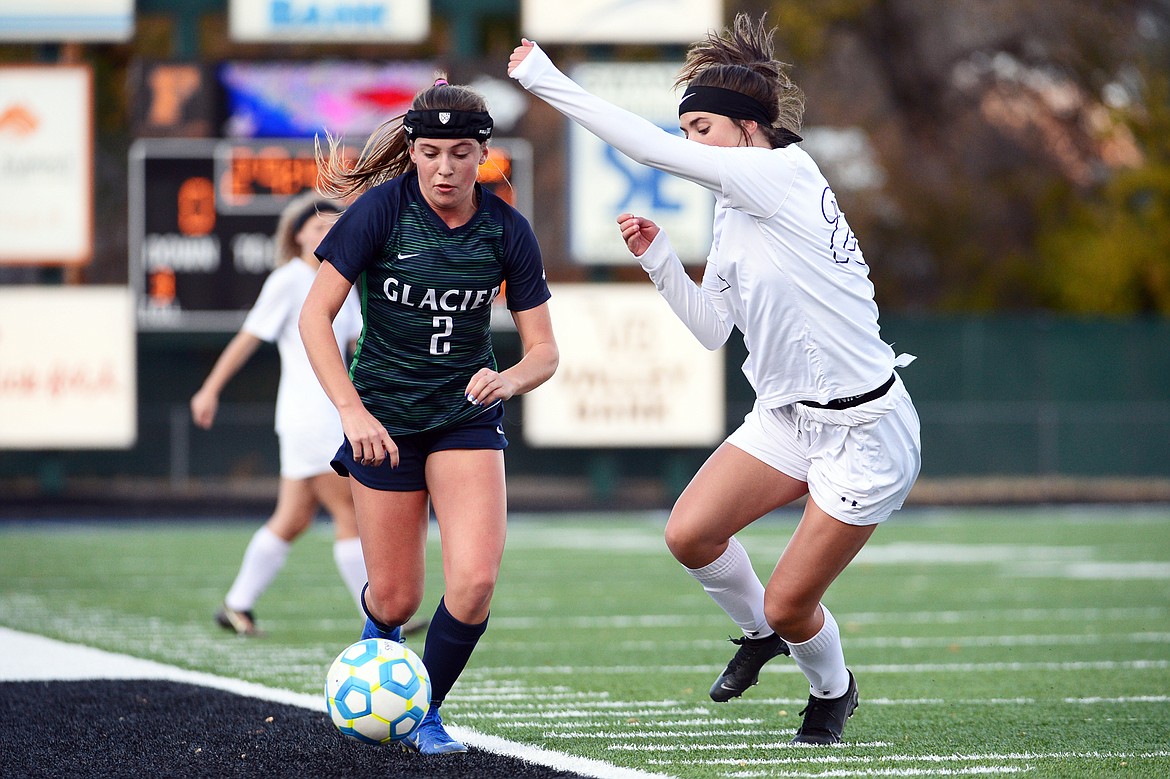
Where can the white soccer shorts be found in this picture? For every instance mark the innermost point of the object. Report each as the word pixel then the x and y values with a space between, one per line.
pixel 859 463
pixel 306 452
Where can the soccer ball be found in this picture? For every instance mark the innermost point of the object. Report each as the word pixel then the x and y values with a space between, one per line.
pixel 377 691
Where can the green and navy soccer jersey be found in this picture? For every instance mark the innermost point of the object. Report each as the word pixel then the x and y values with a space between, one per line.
pixel 426 292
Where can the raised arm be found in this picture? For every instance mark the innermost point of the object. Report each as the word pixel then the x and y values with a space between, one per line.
pixel 636 137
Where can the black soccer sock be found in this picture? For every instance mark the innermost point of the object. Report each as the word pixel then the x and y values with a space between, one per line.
pixel 448 648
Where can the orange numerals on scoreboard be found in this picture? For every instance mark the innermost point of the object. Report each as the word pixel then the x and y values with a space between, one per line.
pixel 196 206
pixel 495 172
pixel 270 172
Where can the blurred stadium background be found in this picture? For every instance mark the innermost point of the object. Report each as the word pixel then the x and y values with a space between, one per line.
pixel 1006 166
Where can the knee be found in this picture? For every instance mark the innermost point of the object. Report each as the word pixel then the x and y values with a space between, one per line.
pixel 691 547
pixel 677 540
pixel 290 523
pixel 790 616
pixel 469 598
pixel 391 603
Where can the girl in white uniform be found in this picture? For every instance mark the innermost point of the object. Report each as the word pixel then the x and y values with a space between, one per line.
pixel 307 424
pixel 832 419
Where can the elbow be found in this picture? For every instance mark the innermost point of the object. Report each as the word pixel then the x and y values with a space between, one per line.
pixel 548 361
pixel 552 361
pixel 713 341
pixel 302 324
pixel 310 311
pixel 305 323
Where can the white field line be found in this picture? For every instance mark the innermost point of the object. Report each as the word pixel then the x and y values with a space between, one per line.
pixel 1130 699
pixel 28 657
pixel 822 759
pixel 889 642
pixel 522 697
pixel 724 747
pixel 541 708
pixel 886 668
pixel 661 722
pixel 656 734
pixel 542 715
pixel 645 720
pixel 1079 615
pixel 968 701
pixel 848 774
pixel 525 719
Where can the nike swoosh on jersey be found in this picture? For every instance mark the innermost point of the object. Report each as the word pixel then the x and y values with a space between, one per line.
pixel 402 256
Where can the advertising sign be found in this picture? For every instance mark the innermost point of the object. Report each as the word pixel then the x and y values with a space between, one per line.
pixel 171 99
pixel 68 378
pixel 604 183
pixel 631 374
pixel 322 21
pixel 290 99
pixel 46 165
pixel 47 21
pixel 632 21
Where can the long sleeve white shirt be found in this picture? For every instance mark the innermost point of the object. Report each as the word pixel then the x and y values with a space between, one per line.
pixel 784 267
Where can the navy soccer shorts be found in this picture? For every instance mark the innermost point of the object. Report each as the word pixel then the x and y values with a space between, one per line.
pixel 485 431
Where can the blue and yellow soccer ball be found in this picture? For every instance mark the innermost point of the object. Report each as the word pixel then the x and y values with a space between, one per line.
pixel 377 691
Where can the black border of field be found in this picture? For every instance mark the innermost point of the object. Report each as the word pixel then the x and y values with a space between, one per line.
pixel 134 728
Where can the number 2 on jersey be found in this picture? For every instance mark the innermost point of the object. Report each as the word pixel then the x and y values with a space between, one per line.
pixel 445 325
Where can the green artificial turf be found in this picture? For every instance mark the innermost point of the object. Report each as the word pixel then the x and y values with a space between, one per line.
pixel 985 642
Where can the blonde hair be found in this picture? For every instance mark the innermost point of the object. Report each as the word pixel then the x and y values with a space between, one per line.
pixel 299 210
pixel 740 58
pixel 387 151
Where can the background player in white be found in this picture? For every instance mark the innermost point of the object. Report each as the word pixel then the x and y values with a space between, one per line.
pixel 832 419
pixel 307 424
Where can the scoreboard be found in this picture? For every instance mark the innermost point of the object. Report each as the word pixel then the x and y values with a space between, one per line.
pixel 202 214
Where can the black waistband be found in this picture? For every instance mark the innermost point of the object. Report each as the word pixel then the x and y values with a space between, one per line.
pixel 853 400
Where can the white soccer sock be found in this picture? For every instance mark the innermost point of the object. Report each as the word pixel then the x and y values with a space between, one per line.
pixel 731 583
pixel 263 559
pixel 347 553
pixel 822 660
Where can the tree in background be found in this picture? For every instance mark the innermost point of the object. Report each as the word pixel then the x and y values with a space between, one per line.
pixel 1108 250
pixel 1023 146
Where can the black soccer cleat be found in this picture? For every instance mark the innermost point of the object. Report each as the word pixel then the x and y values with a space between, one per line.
pixel 744 669
pixel 242 623
pixel 824 718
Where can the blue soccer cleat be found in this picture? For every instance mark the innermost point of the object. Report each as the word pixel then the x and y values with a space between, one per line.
pixel 432 738
pixel 372 630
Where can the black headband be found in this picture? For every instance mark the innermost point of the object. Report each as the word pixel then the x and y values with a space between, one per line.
pixel 311 210
pixel 725 102
pixel 446 123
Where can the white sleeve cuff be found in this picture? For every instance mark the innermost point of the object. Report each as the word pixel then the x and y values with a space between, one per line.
pixel 657 255
pixel 702 314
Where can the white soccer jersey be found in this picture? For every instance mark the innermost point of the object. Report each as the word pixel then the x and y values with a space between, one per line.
pixel 784 267
pixel 301 404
